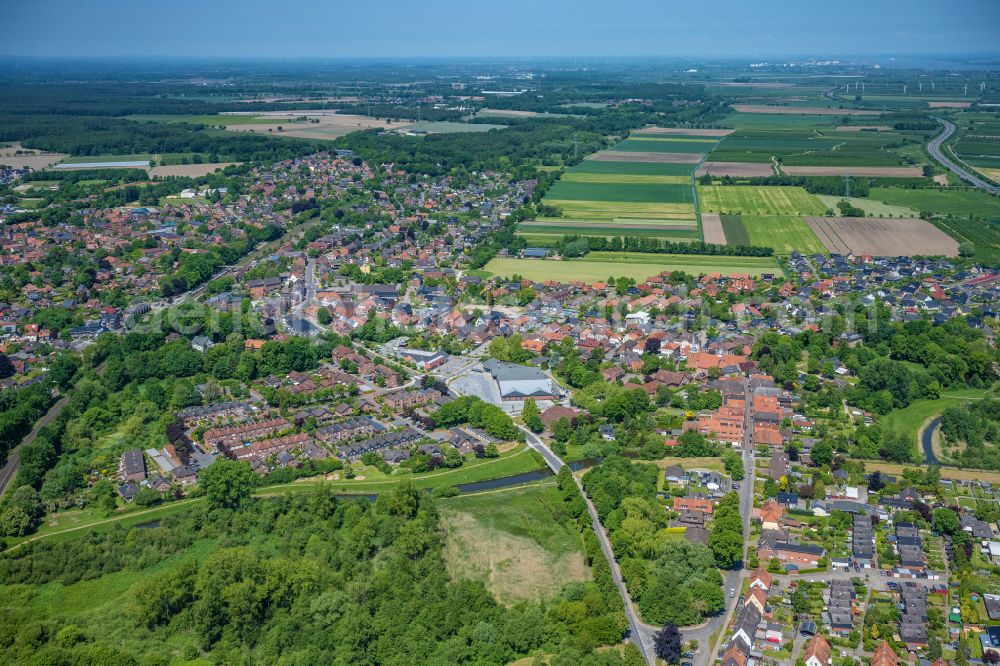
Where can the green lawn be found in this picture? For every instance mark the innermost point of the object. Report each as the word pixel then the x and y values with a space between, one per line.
pixel 598 266
pixel 758 200
pixel 784 233
pixel 513 540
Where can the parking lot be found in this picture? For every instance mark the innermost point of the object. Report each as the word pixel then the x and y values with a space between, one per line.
pixel 481 385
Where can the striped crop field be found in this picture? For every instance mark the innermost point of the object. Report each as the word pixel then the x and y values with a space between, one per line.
pixel 759 200
pixel 612 210
pixel 783 233
pixel 629 168
pixel 602 265
pixel 639 179
pixel 625 192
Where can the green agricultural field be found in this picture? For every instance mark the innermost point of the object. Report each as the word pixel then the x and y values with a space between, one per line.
pixel 512 540
pixel 664 145
pixel 536 238
pixel 759 200
pixel 215 119
pixel 960 203
pixel 449 127
pixel 732 227
pixel 598 266
pixel 610 210
pixel 135 157
pixel 636 179
pixel 818 147
pixel 984 235
pixel 778 121
pixel 784 233
pixel 672 138
pixel 632 168
pixel 620 192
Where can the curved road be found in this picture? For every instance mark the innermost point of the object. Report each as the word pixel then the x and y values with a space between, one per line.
pixel 934 148
pixel 642 634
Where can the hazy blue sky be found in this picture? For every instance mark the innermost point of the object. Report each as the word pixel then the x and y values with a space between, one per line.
pixel 346 28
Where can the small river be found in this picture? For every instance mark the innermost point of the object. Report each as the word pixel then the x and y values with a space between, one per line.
pixel 472 487
pixel 927 438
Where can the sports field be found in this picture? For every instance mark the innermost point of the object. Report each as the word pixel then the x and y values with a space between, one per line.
pixel 783 233
pixel 598 266
pixel 758 200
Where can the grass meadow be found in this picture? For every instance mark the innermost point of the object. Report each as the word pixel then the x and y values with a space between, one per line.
pixel 512 540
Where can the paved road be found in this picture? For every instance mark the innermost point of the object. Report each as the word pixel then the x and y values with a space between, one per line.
pixel 641 634
pixel 554 462
pixel 733 579
pixel 9 470
pixel 934 148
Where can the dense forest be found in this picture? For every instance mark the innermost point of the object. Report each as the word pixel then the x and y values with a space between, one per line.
pixel 304 579
pixel 972 433
pixel 88 135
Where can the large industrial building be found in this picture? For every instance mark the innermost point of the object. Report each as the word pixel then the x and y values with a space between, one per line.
pixel 518 382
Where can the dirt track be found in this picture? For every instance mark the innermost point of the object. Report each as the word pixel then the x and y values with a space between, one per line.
pixel 882 236
pixel 656 158
pixel 711 227
pixel 736 169
pixel 876 172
